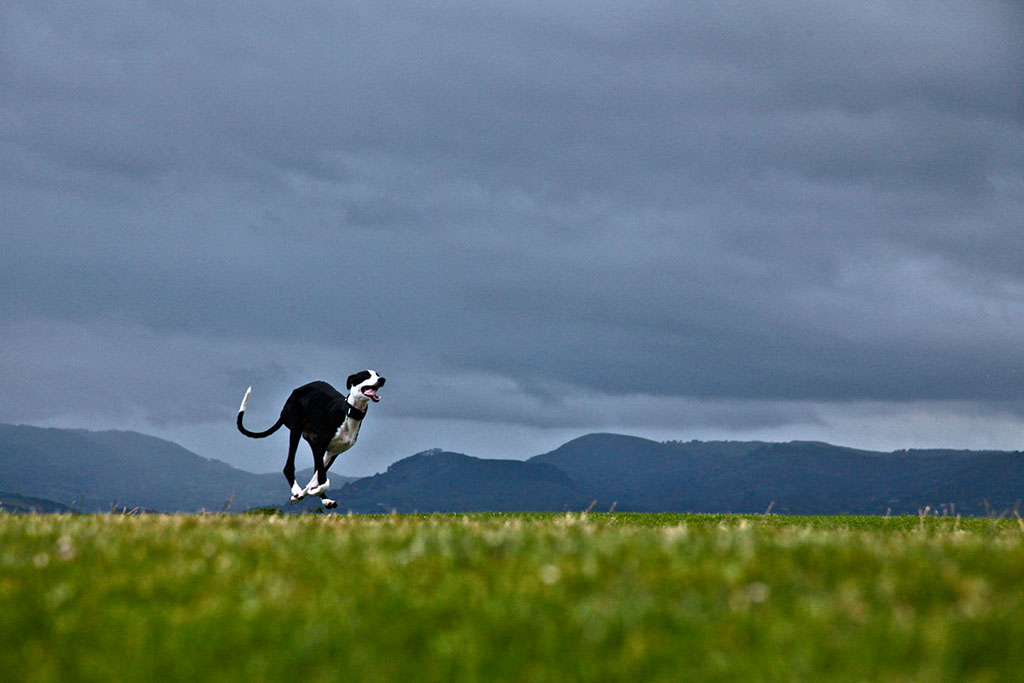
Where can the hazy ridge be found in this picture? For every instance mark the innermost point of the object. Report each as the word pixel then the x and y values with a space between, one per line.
pixel 99 471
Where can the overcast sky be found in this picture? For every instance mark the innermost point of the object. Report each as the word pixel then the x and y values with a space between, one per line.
pixel 680 220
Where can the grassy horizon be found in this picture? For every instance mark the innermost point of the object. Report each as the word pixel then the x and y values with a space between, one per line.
pixel 523 597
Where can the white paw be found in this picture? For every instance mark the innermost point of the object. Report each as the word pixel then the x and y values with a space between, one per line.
pixel 297 494
pixel 329 504
pixel 313 489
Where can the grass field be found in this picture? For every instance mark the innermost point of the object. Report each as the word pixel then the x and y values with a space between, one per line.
pixel 600 597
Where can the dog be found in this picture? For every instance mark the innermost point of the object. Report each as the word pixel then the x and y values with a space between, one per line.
pixel 328 421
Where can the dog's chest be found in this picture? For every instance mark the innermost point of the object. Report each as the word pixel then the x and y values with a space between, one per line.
pixel 345 437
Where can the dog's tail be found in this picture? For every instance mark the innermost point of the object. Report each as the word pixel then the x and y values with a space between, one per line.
pixel 254 435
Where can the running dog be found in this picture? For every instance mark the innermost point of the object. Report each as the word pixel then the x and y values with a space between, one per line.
pixel 328 421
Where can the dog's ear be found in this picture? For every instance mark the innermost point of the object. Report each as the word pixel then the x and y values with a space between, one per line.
pixel 358 378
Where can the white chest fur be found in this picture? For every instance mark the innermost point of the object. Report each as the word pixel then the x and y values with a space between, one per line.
pixel 345 437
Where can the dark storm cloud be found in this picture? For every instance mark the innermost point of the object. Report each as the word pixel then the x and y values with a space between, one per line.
pixel 700 201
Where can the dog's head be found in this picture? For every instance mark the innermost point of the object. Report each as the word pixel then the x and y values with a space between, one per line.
pixel 366 384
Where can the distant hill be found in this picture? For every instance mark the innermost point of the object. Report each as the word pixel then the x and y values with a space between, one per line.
pixel 100 471
pixel 12 502
pixel 440 481
pixel 796 477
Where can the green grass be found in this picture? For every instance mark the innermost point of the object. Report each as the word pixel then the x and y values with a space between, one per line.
pixel 599 597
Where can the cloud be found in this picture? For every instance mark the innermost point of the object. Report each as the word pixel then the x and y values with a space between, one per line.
pixel 519 214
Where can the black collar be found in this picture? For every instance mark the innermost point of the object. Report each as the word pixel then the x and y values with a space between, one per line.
pixel 354 412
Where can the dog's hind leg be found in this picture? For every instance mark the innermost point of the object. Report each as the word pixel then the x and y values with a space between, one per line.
pixel 289 466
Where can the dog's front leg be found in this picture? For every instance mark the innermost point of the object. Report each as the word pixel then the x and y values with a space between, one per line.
pixel 328 460
pixel 319 483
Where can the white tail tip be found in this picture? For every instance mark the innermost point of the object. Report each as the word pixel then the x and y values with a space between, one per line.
pixel 245 400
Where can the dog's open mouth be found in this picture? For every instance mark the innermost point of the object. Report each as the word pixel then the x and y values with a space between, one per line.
pixel 371 393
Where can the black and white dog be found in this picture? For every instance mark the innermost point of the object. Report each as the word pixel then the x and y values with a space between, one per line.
pixel 328 421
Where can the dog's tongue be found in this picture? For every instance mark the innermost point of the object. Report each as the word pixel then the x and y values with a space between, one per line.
pixel 371 393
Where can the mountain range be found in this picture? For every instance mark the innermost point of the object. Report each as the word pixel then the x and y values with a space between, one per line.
pixel 798 477
pixel 100 471
pixel 114 470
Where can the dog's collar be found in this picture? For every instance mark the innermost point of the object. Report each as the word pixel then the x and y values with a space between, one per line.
pixel 354 412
